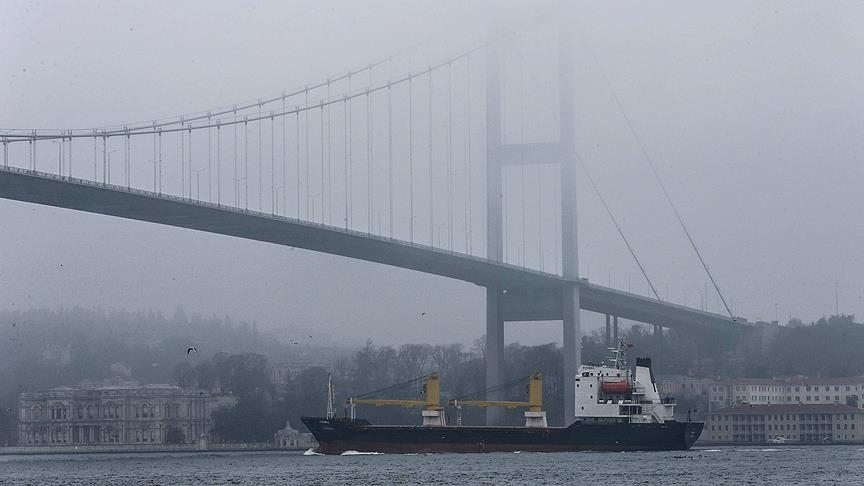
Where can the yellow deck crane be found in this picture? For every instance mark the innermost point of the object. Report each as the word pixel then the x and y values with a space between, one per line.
pixel 534 416
pixel 432 410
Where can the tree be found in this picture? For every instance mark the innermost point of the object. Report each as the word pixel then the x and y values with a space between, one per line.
pixel 253 419
pixel 184 375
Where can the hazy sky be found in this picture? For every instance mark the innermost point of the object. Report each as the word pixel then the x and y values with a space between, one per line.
pixel 750 110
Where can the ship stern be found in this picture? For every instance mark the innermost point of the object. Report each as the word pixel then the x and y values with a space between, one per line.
pixel 692 431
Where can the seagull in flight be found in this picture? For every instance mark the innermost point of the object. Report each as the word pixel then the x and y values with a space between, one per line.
pixel 190 349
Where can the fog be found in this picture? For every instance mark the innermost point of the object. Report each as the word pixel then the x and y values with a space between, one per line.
pixel 750 111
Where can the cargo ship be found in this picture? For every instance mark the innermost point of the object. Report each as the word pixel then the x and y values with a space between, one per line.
pixel 617 409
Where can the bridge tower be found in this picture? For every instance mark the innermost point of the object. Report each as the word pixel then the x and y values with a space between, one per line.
pixel 532 304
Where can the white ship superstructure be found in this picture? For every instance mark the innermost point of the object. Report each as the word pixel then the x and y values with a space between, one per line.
pixel 613 394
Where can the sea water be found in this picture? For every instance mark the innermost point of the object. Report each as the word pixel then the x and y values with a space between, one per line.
pixel 783 465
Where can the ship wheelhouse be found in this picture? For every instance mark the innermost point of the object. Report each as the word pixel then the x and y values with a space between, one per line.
pixel 614 394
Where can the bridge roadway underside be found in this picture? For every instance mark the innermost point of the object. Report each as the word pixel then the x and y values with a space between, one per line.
pixel 526 295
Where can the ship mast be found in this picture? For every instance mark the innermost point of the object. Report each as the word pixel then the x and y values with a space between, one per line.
pixel 331 409
pixel 618 355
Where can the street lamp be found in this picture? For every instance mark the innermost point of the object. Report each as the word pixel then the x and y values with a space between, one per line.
pixel 155 175
pixel 106 171
pixel 276 198
pixel 59 156
pixel 197 181
pixel 438 232
pixel 378 216
pixel 550 252
pixel 312 198
pixel 237 181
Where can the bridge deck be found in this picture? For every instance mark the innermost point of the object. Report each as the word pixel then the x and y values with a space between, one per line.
pixel 533 295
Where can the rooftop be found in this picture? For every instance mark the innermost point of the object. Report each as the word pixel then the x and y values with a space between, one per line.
pixel 785 408
pixel 795 380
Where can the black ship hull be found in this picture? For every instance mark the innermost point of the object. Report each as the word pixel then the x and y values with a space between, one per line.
pixel 339 435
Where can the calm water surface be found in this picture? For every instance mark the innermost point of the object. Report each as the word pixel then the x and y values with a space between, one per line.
pixel 839 465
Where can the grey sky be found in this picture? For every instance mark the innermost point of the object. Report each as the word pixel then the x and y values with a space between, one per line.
pixel 751 112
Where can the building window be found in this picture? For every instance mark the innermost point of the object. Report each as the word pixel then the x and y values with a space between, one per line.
pixel 59 412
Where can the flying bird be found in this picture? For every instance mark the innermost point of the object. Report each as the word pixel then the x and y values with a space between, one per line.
pixel 294 342
pixel 190 349
pixel 422 314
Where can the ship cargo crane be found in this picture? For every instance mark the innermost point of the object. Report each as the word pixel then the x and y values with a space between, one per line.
pixel 534 416
pixel 432 410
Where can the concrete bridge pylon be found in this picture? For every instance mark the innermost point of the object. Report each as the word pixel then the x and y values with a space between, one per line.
pixel 561 303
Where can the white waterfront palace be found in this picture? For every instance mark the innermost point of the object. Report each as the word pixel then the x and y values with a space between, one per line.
pixel 121 414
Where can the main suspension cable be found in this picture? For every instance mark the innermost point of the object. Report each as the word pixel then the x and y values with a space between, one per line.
pixel 617 226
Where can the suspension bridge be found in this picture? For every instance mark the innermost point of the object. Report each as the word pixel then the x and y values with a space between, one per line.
pixel 425 170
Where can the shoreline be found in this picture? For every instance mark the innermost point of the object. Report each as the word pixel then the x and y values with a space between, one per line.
pixel 101 449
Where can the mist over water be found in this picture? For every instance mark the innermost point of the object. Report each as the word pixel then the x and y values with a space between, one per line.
pixel 732 102
pixel 734 128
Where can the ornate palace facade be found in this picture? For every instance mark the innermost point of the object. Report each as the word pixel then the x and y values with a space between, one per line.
pixel 123 414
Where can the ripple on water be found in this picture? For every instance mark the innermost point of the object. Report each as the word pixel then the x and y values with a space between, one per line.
pixel 817 465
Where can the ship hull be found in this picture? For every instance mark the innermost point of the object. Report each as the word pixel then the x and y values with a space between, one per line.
pixel 336 436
